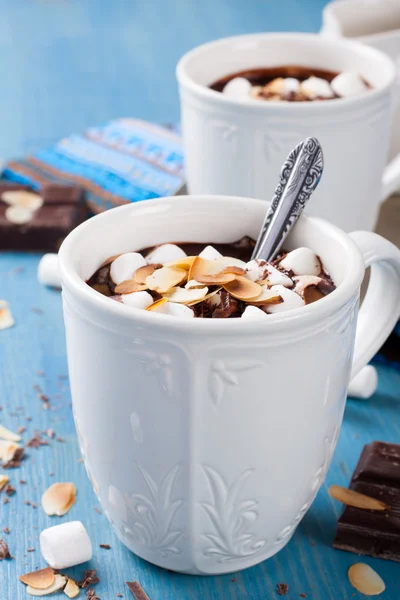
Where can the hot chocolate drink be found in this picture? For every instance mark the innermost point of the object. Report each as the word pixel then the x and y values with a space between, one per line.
pixel 218 281
pixel 291 84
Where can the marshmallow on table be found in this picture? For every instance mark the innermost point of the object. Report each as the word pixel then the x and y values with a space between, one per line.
pixel 302 261
pixel 48 271
pixel 364 384
pixel 348 84
pixel 65 545
pixel 237 88
pixel 164 254
pixel 315 87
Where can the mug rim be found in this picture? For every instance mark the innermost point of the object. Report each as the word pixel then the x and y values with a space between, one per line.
pixel 302 316
pixel 186 81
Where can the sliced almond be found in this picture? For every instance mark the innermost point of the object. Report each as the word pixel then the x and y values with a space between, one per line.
pixel 203 268
pixel 186 296
pixel 129 286
pixel 144 272
pixel 71 589
pixel 193 284
pixel 58 584
pixel 22 198
pixel 208 296
pixel 182 263
pixel 352 498
pixel 3 481
pixel 18 215
pixel 58 499
pixel 234 270
pixel 6 318
pixel 40 580
pixel 219 279
pixel 229 261
pixel 162 280
pixel 366 580
pixel 267 296
pixel 6 434
pixel 8 450
pixel 243 288
pixel 156 304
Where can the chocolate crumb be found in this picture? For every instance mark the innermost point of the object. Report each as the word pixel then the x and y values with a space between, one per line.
pixel 91 594
pixel 22 481
pixel 6 500
pixel 28 418
pixel 27 502
pixel 97 510
pixel 233 579
pixel 51 474
pixel 4 551
pixel 9 490
pixel 45 400
pixel 89 578
pixel 105 546
pixel 40 373
pixel 303 595
pixel 61 440
pixel 137 590
pixel 37 311
pixel 33 505
pixel 30 549
pixel 21 429
pixel 6 530
pixel 119 595
pixel 16 459
pixel 36 441
pixel 282 589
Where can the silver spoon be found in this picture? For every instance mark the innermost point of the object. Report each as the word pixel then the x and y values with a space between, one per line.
pixel 299 177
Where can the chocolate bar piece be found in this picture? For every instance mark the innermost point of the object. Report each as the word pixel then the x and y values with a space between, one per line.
pixel 64 207
pixel 374 533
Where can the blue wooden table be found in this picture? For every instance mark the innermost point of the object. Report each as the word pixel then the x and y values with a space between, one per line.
pixel 67 64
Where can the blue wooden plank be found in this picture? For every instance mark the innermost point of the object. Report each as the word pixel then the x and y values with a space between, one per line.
pixel 66 65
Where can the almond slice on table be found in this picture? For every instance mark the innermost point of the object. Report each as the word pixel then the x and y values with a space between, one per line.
pixel 352 498
pixel 186 296
pixel 6 434
pixel 267 296
pixel 18 215
pixel 129 286
pixel 58 584
pixel 39 580
pixel 162 280
pixel 23 198
pixel 156 304
pixel 3 481
pixel 365 580
pixel 71 589
pixel 58 499
pixel 6 318
pixel 8 450
pixel 243 288
pixel 144 272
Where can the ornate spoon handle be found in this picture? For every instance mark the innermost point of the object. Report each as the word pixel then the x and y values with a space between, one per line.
pixel 299 177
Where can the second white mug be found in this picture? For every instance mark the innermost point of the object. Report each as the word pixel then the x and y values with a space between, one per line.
pixel 238 146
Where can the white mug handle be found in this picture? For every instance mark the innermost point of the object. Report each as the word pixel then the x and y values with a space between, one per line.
pixel 380 309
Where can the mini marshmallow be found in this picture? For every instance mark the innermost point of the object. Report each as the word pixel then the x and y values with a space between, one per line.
pixel 137 299
pixel 290 85
pixel 258 270
pixel 291 300
pixel 175 310
pixel 48 272
pixel 237 88
pixel 252 313
pixel 302 261
pixel 315 87
pixel 210 253
pixel 125 266
pixel 348 84
pixel 165 254
pixel 364 384
pixel 302 282
pixel 66 545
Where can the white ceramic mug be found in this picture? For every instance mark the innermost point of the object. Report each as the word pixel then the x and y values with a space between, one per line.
pixel 238 147
pixel 376 23
pixel 207 440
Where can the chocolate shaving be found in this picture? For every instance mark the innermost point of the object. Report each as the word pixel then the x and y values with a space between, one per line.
pixel 36 441
pixel 16 459
pixel 21 429
pixel 6 530
pixel 229 307
pixel 97 510
pixel 89 578
pixel 282 589
pixel 4 551
pixel 9 490
pixel 30 549
pixel 6 500
pixel 137 590
pixel 91 594
pixel 105 546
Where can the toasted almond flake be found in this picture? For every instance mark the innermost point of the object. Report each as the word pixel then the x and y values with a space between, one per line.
pixel 109 260
pixel 182 263
pixel 22 198
pixel 18 215
pixel 207 297
pixel 234 270
pixel 243 288
pixel 3 481
pixel 229 261
pixel 58 499
pixel 129 286
pixel 352 498
pixel 59 582
pixel 202 268
pixel 39 580
pixel 71 589
pixel 157 304
pixel 186 296
pixel 6 319
pixel 365 580
pixel 6 434
pixel 144 272
pixel 219 279
pixel 162 280
pixel 267 296
pixel 193 284
pixel 8 450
